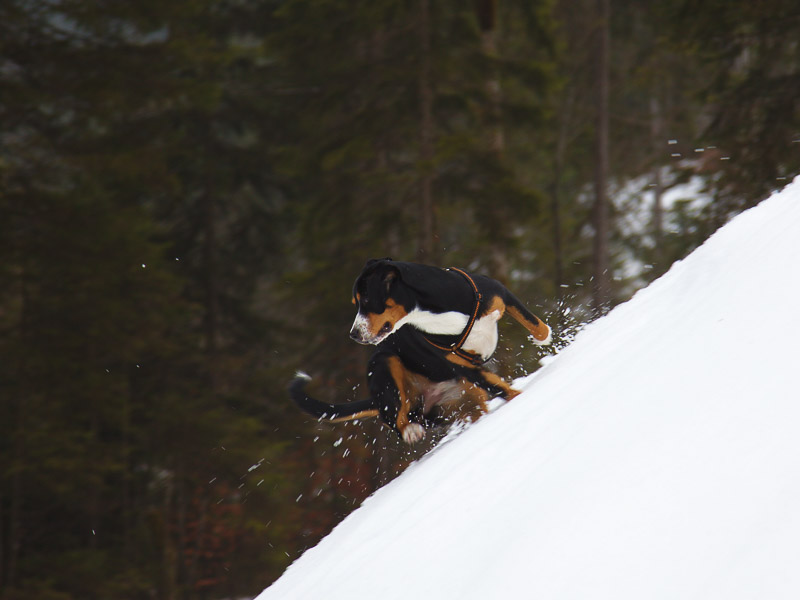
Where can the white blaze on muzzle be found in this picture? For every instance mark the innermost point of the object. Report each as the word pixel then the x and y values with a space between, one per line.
pixel 360 331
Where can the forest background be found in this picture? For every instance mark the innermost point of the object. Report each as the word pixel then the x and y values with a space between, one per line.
pixel 189 188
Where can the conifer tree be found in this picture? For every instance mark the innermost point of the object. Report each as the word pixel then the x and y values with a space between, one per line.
pixel 112 118
pixel 751 93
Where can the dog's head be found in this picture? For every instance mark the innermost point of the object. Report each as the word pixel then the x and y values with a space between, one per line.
pixel 378 296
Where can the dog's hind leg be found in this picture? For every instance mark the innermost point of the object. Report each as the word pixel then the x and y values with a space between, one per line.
pixel 464 401
pixel 473 405
pixel 494 384
pixel 491 382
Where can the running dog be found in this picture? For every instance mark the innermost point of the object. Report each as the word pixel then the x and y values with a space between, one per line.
pixel 434 329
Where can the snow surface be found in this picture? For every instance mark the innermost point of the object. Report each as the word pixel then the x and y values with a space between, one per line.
pixel 658 456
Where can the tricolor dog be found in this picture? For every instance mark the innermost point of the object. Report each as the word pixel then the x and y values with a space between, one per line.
pixel 433 330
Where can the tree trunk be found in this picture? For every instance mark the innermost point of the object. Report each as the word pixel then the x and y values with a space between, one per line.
pixel 601 278
pixel 193 570
pixel 15 505
pixel 558 245
pixel 2 545
pixel 427 249
pixel 210 252
pixel 170 560
pixel 15 527
pixel 656 127
pixel 487 19
pixel 486 11
pixel 126 488
pixel 565 115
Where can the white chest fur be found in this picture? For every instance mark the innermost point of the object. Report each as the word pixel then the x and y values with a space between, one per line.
pixel 483 337
pixel 448 323
pixel 481 340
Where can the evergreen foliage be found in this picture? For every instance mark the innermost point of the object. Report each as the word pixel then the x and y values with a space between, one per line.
pixel 752 93
pixel 188 189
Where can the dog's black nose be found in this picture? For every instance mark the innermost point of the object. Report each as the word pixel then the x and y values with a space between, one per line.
pixel 355 335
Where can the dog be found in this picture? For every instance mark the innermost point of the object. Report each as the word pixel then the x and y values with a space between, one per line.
pixel 433 329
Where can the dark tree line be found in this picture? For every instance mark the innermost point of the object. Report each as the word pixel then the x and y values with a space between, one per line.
pixel 188 189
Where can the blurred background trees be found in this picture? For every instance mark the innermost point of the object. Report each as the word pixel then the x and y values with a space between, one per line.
pixel 188 189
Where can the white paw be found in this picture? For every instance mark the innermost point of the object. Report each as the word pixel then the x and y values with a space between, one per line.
pixel 413 433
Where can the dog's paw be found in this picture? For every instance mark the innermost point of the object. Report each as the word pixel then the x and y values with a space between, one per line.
pixel 413 433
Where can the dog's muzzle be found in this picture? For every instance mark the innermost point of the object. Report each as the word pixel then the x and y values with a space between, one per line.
pixel 360 331
pixel 356 335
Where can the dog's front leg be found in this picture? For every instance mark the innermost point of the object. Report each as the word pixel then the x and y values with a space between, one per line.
pixel 389 384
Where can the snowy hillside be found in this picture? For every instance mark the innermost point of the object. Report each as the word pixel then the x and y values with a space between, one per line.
pixel 656 457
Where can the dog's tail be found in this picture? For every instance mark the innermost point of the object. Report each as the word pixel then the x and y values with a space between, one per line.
pixel 361 409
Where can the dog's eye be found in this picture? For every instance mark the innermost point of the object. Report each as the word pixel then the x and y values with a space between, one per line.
pixel 387 327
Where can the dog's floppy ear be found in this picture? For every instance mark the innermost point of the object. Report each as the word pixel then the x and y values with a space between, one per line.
pixel 389 279
pixel 374 261
pixel 382 271
pixel 392 272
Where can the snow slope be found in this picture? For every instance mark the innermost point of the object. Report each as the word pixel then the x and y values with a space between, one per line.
pixel 658 456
